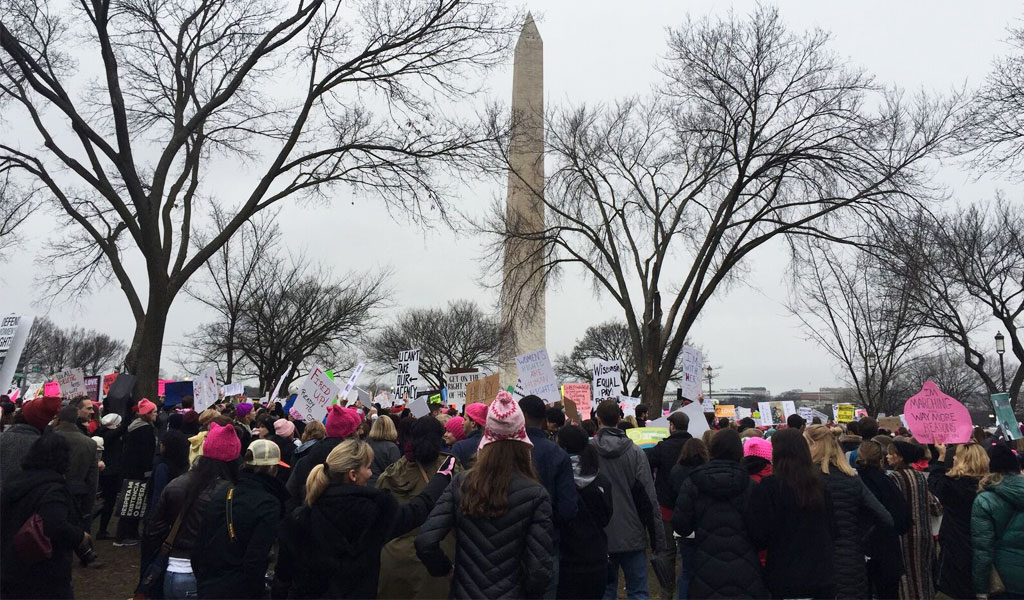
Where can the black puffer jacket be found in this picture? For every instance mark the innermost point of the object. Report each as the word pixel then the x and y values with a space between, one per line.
pixel 713 504
pixel 662 458
pixel 296 484
pixel 885 562
pixel 957 496
pixel 503 557
pixel 854 510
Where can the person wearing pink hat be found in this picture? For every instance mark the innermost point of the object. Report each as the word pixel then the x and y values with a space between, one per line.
pixel 342 423
pixel 499 504
pixel 476 418
pixel 186 497
pixel 284 437
pixel 136 462
pixel 757 458
pixel 454 431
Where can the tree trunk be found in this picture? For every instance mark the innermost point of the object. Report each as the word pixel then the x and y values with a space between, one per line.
pixel 653 394
pixel 143 359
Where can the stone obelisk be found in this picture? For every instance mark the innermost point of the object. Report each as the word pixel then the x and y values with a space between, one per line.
pixel 523 285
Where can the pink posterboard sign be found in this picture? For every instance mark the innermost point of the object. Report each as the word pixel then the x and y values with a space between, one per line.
pixel 161 386
pixel 935 418
pixel 51 389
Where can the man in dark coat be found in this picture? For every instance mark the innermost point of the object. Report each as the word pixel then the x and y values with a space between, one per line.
pixel 83 474
pixel 465 450
pixel 662 458
pixel 137 463
pixel 18 438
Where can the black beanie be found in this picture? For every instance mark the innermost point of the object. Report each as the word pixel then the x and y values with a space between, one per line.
pixel 909 452
pixel 1002 460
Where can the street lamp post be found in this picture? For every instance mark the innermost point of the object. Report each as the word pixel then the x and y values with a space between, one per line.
pixel 871 361
pixel 710 372
pixel 1000 349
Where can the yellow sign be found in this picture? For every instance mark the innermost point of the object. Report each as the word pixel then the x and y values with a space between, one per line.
pixel 725 410
pixel 845 413
pixel 646 437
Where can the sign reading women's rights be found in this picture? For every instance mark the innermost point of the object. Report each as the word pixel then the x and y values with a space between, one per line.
pixel 537 376
pixel 316 395
pixel 935 418
pixel 607 380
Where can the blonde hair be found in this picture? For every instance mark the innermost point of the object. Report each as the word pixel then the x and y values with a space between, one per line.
pixel 314 431
pixel 825 450
pixel 970 460
pixel 384 430
pixel 631 420
pixel 206 416
pixel 346 456
pixel 751 432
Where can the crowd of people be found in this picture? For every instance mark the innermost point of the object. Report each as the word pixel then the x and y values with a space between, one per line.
pixel 506 500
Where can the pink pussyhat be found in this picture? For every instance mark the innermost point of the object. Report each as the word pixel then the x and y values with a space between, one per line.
pixel 222 443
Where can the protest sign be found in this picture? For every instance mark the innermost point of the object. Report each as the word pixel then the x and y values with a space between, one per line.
pixel 725 410
pixel 647 437
pixel 483 390
pixel 419 407
pixel 629 404
pixel 776 413
pixel 72 383
pixel 108 380
pixel 131 501
pixel 175 391
pixel 742 413
pixel 92 388
pixel 316 395
pixel 805 413
pixel 232 389
pixel 160 383
pixel 351 383
pixel 408 373
pixel 51 388
pixel 698 422
pixel 572 413
pixel 708 405
pixel 537 376
pixel 578 394
pixel 844 413
pixel 890 424
pixel 456 383
pixel 935 418
pixel 277 388
pixel 13 335
pixel 1004 415
pixel 204 389
pixel 607 380
pixel 693 365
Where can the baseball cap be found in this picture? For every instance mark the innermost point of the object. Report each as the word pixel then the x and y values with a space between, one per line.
pixel 265 453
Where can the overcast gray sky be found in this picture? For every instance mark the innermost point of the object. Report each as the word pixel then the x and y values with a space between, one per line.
pixel 596 51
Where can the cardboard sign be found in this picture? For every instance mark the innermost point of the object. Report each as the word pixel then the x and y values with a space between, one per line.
pixel 483 390
pixel 72 383
pixel 647 437
pixel 408 373
pixel 693 367
pixel 456 384
pixel 315 395
pixel 727 411
pixel 935 418
pixel 844 413
pixel 538 377
pixel 205 390
pixel 891 424
pixel 607 380
pixel 1004 415
pixel 577 394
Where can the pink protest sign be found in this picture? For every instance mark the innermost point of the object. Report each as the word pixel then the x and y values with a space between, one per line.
pixel 161 386
pixel 51 389
pixel 579 394
pixel 935 418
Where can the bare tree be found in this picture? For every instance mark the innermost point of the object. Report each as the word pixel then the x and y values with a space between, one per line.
pixel 281 91
pixel 459 336
pixel 51 348
pixel 15 206
pixel 995 131
pixel 869 328
pixel 946 367
pixel 756 134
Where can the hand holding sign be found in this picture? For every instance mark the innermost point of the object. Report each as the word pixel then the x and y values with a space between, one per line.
pixel 934 417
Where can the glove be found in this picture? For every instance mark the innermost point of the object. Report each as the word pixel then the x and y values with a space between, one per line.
pixel 446 466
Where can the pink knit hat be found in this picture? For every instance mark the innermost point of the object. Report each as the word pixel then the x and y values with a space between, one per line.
pixel 284 428
pixel 221 443
pixel 295 414
pixel 145 407
pixel 454 427
pixel 758 447
pixel 478 413
pixel 505 421
pixel 342 422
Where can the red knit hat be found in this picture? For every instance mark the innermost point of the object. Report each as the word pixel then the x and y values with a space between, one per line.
pixel 505 421
pixel 222 443
pixel 39 412
pixel 478 413
pixel 342 422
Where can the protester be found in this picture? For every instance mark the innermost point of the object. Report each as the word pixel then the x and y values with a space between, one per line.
pixel 917 546
pixel 405 576
pixel 196 441
pixel 693 455
pixel 476 418
pixel 243 418
pixel 186 498
pixel 757 457
pixel 110 477
pixel 341 424
pixel 284 437
pixel 139 451
pixel 662 458
pixel 312 433
pixel 38 489
pixel 584 544
pixel 239 528
pixel 795 421
pixel 629 474
pixel 331 546
pixel 997 526
pixel 882 545
pixel 83 473
pixel 499 505
pixel 171 462
pixel 956 490
pixel 454 431
pixel 382 440
pixel 852 507
pixel 789 516
pixel 16 441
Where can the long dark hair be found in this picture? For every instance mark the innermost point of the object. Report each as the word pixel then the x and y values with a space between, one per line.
pixel 205 473
pixel 791 464
pixel 485 489
pixel 574 440
pixel 694 453
pixel 175 451
pixel 425 438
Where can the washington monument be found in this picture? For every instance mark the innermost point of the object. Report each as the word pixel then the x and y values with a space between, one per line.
pixel 523 287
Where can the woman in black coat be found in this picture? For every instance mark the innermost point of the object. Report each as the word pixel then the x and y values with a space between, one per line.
pixel 330 546
pixel 713 504
pixel 956 490
pixel 882 545
pixel 40 489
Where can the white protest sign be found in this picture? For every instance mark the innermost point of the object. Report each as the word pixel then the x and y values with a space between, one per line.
pixel 234 389
pixel 408 373
pixel 72 383
pixel 457 383
pixel 419 407
pixel 316 395
pixel 708 405
pixel 693 365
pixel 538 377
pixel 742 413
pixel 13 335
pixel 629 404
pixel 698 423
pixel 205 391
pixel 277 388
pixel 607 380
pixel 352 381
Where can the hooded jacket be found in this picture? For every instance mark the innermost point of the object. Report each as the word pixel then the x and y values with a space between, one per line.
pixel 14 446
pixel 584 544
pixel 713 504
pixel 854 511
pixel 957 495
pixel 626 466
pixel 139 449
pixel 555 472
pixel 42 492
pixel 332 549
pixel 997 533
pixel 83 471
pixel 501 557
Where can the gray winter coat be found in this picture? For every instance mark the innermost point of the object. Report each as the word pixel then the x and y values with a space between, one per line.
pixel 14 446
pixel 625 464
pixel 83 473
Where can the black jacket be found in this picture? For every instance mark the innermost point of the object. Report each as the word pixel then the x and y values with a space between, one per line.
pixel 113 451
pixel 885 561
pixel 798 540
pixel 713 504
pixel 332 549
pixel 854 510
pixel 584 543
pixel 139 451
pixel 555 472
pixel 300 471
pixel 678 476
pixel 43 492
pixel 662 458
pixel 170 504
pixel 502 557
pixel 957 497
pixel 287 447
pixel 226 568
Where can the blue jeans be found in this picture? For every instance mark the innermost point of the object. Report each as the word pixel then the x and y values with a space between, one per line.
pixel 634 565
pixel 686 546
pixel 179 586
